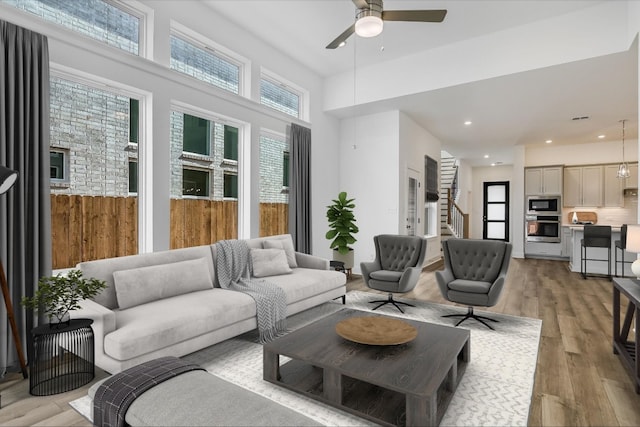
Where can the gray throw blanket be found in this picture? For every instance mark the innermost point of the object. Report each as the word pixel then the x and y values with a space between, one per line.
pixel 233 269
pixel 117 393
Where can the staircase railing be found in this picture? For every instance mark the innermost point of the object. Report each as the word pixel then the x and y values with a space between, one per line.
pixel 457 220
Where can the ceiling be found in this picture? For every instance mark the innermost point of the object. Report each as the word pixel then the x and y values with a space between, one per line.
pixel 517 109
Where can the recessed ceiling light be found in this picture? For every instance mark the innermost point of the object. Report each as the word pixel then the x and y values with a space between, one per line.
pixel 343 43
pixel 467 123
pixel 549 141
pixel 601 136
pixel 493 164
pixel 486 156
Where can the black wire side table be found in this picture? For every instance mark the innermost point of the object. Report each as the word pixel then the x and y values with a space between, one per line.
pixel 63 357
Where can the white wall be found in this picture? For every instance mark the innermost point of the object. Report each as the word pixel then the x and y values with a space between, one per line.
pixel 582 154
pixel 416 143
pixel 369 157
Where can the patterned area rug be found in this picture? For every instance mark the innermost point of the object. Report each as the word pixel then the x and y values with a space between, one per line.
pixel 495 390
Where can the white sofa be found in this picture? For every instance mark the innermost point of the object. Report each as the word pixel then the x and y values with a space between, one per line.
pixel 159 319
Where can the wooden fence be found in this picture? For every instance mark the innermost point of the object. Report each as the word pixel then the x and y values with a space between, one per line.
pixel 86 228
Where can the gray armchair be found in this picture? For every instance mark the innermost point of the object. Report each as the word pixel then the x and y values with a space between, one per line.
pixel 474 274
pixel 397 266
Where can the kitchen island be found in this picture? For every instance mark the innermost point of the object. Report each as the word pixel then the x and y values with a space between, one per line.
pixel 597 267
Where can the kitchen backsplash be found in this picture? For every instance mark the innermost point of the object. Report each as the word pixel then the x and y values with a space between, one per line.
pixel 610 216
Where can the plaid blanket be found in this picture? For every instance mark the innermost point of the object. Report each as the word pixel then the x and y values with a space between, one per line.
pixel 117 393
pixel 234 270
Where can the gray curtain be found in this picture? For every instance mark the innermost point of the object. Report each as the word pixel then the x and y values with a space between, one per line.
pixel 25 210
pixel 299 138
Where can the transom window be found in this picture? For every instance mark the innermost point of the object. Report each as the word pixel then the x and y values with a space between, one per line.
pixel 279 97
pixel 105 21
pixel 204 64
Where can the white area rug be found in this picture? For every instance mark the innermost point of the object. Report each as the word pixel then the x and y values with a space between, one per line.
pixel 495 390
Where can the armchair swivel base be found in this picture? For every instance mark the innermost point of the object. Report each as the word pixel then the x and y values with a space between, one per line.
pixel 390 300
pixel 471 315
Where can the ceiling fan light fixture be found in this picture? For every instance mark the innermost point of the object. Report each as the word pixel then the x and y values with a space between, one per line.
pixel 369 26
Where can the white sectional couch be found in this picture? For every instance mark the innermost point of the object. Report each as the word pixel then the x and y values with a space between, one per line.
pixel 170 303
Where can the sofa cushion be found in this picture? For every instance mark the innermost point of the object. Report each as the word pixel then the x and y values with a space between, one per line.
pixel 269 262
pixel 153 326
pixel 386 275
pixel 286 245
pixel 145 284
pixel 305 283
pixel 470 286
pixel 103 268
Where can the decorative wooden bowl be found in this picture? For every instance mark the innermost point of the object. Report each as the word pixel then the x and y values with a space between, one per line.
pixel 376 330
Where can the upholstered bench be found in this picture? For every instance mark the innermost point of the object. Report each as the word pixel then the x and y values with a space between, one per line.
pixel 198 398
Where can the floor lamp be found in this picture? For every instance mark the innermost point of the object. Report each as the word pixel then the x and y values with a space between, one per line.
pixel 7 179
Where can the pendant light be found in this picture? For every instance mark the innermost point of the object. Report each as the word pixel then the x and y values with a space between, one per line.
pixel 623 169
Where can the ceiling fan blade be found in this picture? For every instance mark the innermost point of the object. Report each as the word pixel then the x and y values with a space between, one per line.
pixel 361 4
pixel 342 37
pixel 414 15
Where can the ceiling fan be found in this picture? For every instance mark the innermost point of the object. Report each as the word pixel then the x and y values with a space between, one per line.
pixel 370 17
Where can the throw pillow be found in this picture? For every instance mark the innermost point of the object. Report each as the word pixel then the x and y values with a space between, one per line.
pixel 146 284
pixel 269 262
pixel 286 245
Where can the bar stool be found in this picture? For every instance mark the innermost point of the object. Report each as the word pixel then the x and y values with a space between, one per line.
pixel 595 236
pixel 622 245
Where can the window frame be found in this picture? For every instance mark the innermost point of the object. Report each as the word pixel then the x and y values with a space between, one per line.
pixel 303 94
pixel 188 35
pixel 143 13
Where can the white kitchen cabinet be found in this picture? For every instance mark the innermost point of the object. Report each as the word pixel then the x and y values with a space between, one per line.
pixel 567 242
pixel 583 186
pixel 632 181
pixel 613 187
pixel 546 180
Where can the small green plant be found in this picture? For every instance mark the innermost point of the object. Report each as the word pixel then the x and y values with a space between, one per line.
pixel 342 223
pixel 57 295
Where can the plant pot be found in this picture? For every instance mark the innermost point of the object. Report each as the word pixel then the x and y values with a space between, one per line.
pixel 347 259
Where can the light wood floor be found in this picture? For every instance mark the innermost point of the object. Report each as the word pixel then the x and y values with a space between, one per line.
pixel 579 381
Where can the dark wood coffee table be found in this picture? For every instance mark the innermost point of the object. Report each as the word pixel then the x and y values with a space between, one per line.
pixel 408 384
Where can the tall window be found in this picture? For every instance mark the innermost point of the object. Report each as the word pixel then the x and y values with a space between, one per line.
pixel 204 179
pixel 93 214
pixel 107 21
pixel 204 64
pixel 279 97
pixel 274 176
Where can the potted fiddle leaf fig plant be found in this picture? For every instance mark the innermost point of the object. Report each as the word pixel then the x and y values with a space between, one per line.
pixel 342 227
pixel 57 295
